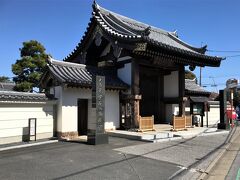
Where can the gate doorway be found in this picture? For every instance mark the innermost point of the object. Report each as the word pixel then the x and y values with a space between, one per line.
pixel 82 116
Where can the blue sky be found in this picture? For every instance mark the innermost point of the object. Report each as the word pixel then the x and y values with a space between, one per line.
pixel 60 24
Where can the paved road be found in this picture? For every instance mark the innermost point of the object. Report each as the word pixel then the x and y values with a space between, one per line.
pixel 121 159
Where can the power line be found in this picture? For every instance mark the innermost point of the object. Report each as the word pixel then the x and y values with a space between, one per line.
pixel 238 55
pixel 227 76
pixel 214 84
pixel 224 51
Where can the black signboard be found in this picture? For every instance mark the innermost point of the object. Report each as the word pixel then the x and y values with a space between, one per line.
pixel 32 126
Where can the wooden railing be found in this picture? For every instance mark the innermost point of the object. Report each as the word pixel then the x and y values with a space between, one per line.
pixel 146 123
pixel 179 123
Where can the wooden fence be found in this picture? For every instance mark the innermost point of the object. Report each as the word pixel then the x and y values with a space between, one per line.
pixel 189 121
pixel 146 123
pixel 179 123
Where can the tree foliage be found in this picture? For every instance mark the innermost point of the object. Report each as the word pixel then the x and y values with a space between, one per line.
pixel 4 79
pixel 29 68
pixel 189 75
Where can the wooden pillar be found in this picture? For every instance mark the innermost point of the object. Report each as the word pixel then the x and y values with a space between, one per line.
pixel 135 77
pixel 181 90
pixel 135 93
pixel 160 104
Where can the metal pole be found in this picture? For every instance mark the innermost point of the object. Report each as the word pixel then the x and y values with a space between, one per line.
pixel 207 117
pixel 231 119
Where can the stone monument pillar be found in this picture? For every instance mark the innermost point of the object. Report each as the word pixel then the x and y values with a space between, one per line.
pixel 98 134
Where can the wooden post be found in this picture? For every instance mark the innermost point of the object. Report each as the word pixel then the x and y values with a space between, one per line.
pixel 135 92
pixel 231 101
pixel 181 90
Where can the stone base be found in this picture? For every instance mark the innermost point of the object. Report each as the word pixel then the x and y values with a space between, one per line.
pixel 67 135
pixel 95 139
pixel 15 139
pixel 223 126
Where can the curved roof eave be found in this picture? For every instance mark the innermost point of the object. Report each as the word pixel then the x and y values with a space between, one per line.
pixel 124 31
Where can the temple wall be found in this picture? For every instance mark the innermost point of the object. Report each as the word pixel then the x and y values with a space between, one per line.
pixel 57 91
pixel 171 109
pixel 70 96
pixel 213 114
pixel 171 90
pixel 68 110
pixel 14 119
pixel 171 85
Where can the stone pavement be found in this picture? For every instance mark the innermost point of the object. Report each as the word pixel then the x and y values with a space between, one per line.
pixel 185 153
pixel 18 145
pixel 164 133
pixel 67 160
pixel 120 159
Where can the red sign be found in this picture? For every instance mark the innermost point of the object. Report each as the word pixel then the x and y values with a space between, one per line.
pixel 232 115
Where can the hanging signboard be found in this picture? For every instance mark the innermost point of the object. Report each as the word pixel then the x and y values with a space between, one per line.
pixel 32 124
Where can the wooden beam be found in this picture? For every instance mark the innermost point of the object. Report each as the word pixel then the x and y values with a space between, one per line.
pixel 173 100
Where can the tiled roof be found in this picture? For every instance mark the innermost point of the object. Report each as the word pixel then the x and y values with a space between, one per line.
pixel 191 87
pixel 81 75
pixel 129 29
pixel 199 99
pixel 22 96
pixel 6 86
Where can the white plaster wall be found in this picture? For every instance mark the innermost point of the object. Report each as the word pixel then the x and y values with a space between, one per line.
pixel 170 110
pixel 69 112
pixel 171 85
pixel 213 115
pixel 125 73
pixel 112 110
pixel 14 121
pixel 57 91
pixel 69 107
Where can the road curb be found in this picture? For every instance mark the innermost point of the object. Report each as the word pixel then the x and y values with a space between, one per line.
pixel 213 133
pixel 218 157
pixel 213 163
pixel 27 145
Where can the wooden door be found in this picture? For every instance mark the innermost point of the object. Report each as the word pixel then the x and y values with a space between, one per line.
pixel 82 116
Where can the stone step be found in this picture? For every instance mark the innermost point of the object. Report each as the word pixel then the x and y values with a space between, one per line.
pixel 141 136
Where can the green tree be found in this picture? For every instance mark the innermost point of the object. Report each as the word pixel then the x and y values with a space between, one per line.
pixel 189 75
pixel 29 68
pixel 4 79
